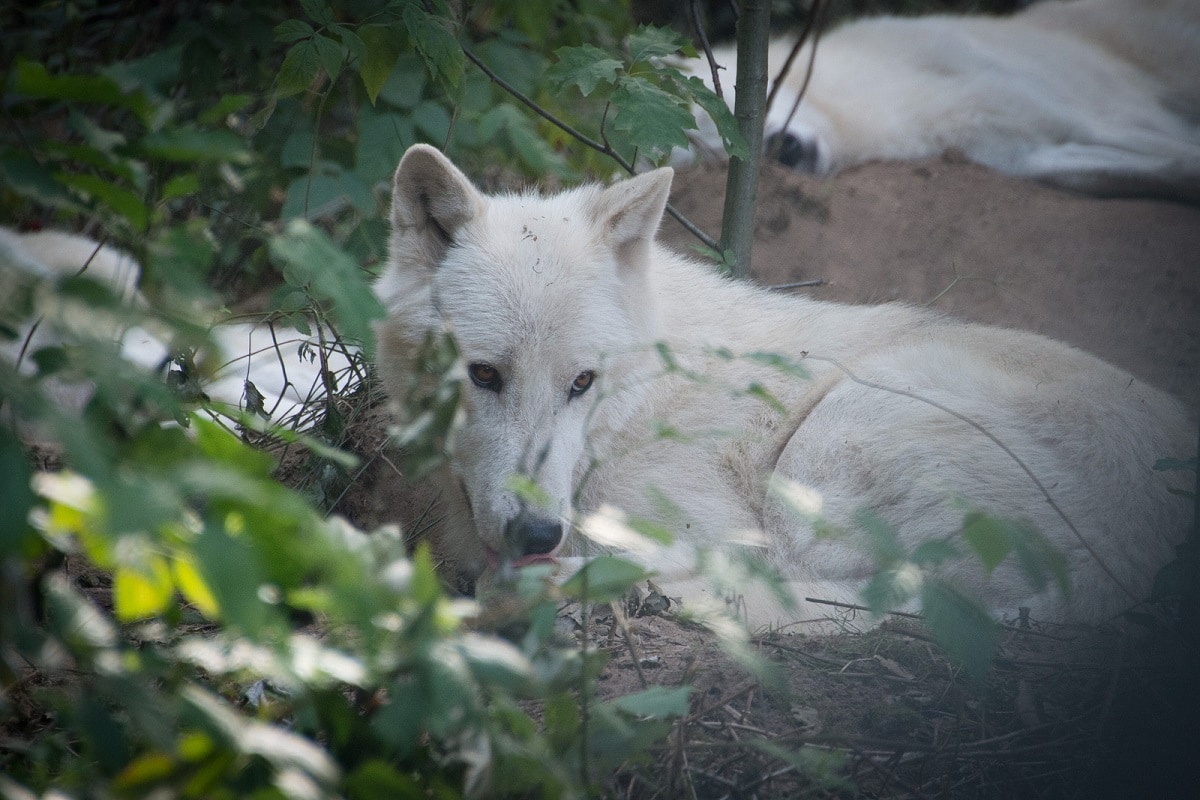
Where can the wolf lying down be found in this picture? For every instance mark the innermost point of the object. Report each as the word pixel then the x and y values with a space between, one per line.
pixel 616 373
pixel 271 359
pixel 1097 96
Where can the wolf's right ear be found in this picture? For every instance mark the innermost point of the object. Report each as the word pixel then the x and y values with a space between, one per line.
pixel 631 210
pixel 431 200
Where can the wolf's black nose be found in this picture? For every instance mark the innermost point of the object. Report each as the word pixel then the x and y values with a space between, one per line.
pixel 529 535
pixel 793 151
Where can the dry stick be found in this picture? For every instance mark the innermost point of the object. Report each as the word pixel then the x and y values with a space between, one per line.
pixel 599 147
pixel 853 607
pixel 1007 450
pixel 37 323
pixel 702 35
pixel 783 287
pixel 622 622
pixel 812 59
pixel 810 29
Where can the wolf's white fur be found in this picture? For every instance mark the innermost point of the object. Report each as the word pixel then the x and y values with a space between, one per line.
pixel 544 289
pixel 273 363
pixel 1100 96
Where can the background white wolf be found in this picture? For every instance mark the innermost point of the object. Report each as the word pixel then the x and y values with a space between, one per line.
pixel 1100 96
pixel 287 379
pixel 558 303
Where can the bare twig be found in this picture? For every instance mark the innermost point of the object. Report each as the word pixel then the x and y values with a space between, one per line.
pixel 810 29
pixel 702 35
pixel 783 287
pixel 599 147
pixel 854 607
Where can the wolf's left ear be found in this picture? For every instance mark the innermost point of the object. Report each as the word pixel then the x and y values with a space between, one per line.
pixel 630 211
pixel 431 200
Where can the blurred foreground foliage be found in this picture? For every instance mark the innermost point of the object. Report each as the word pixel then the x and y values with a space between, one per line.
pixel 252 646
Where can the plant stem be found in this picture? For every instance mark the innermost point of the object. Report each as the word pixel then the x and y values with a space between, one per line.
pixel 741 187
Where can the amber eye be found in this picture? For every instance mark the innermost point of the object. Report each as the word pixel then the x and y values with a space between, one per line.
pixel 485 376
pixel 583 382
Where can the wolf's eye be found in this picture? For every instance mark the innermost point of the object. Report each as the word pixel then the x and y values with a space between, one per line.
pixel 485 376
pixel 583 382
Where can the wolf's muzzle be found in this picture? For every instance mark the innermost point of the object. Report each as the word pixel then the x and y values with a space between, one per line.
pixel 532 535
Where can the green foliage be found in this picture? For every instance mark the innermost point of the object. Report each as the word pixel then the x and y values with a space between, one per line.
pixel 924 575
pixel 239 149
pixel 649 98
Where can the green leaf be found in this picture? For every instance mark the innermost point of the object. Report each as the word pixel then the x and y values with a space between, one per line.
pixel 382 49
pixel 779 362
pixel 890 589
pixel 299 67
pixel 117 198
pixel 584 66
pixel 649 42
pixel 143 590
pixel 183 185
pixel 654 119
pixel 989 537
pixel 432 119
pixel 222 447
pixel 994 538
pixel 291 30
pixel 306 196
pixel 405 87
pixel 356 48
pixel 658 702
pixel 495 662
pixel 602 579
pixel 562 720
pixel 35 182
pixel 192 145
pixel 884 541
pixel 378 780
pixel 757 390
pixel 437 47
pixel 144 770
pixel 505 119
pixel 15 475
pixel 313 262
pixel 233 572
pixel 217 113
pixel 73 618
pixel 159 70
pixel 961 626
pixel 528 490
pixel 722 116
pixel 382 140
pixel 330 54
pixel 193 587
pixel 33 80
pixel 318 11
pixel 934 551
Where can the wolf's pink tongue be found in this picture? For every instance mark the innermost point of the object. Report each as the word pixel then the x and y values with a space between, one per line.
pixel 538 558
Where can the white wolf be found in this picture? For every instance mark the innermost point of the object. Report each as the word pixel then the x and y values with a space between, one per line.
pixel 616 372
pixel 1099 96
pixel 271 360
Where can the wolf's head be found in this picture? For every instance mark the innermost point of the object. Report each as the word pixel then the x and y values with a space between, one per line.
pixel 551 302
